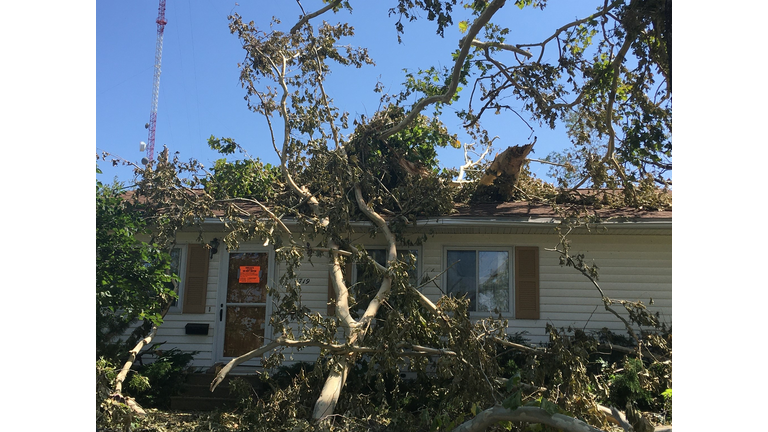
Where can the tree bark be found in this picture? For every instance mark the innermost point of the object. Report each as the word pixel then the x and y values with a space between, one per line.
pixel 504 171
pixel 329 396
pixel 497 413
pixel 243 358
pixel 117 395
pixel 615 416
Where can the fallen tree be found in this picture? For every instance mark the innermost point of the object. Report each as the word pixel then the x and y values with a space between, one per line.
pixel 385 172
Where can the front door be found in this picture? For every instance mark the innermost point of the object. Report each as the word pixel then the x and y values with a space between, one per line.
pixel 243 312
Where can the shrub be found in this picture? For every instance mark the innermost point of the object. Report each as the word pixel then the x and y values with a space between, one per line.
pixel 165 378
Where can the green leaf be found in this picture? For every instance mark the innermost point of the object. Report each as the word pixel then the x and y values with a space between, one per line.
pixel 513 401
pixel 463 26
pixel 549 407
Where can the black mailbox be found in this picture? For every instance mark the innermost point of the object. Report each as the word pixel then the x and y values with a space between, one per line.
pixel 196 329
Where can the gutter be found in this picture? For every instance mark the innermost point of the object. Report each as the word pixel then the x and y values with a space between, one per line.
pixel 443 222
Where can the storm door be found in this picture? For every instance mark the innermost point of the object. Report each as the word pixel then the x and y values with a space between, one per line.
pixel 244 310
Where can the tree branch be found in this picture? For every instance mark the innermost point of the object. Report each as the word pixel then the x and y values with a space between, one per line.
pixel 497 413
pixel 615 416
pixel 131 358
pixel 263 207
pixel 244 358
pixel 386 283
pixel 306 17
pixel 329 395
pixel 612 97
pixel 557 32
pixel 514 345
pixel 465 44
pixel 341 290
pixel 469 163
pixel 507 47
pixel 580 266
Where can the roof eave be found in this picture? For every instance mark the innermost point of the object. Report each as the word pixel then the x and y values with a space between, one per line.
pixel 542 222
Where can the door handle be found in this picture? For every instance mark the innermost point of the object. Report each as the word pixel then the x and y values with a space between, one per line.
pixel 221 313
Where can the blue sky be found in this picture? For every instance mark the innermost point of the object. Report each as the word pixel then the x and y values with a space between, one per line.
pixel 200 94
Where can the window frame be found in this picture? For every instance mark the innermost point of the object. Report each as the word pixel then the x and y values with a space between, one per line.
pixel 177 306
pixel 510 250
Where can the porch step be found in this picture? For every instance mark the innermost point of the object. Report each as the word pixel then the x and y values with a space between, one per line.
pixel 197 396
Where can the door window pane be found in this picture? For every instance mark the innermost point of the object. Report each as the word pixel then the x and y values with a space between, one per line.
pixel 245 289
pixel 245 329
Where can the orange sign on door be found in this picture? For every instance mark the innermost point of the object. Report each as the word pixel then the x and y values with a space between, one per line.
pixel 249 274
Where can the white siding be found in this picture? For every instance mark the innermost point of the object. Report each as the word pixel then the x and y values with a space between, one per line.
pixel 631 267
pixel 314 296
pixel 172 331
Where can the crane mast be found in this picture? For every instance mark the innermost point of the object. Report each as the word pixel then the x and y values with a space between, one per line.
pixel 156 82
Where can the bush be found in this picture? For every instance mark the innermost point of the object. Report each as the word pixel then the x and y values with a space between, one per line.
pixel 133 278
pixel 153 384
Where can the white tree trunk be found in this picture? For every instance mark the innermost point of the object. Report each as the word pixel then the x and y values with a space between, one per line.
pixel 117 395
pixel 329 396
pixel 495 414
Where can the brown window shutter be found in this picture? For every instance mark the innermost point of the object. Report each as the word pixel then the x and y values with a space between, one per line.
pixel 196 281
pixel 527 282
pixel 332 294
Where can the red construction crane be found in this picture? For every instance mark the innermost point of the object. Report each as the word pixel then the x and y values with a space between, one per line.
pixel 161 22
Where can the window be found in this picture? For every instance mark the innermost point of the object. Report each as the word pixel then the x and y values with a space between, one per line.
pixel 481 275
pixel 485 276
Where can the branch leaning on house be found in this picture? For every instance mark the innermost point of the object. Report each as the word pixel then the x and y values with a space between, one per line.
pixel 329 395
pixel 590 272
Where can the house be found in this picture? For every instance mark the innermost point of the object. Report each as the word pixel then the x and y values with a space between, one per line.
pixel 497 254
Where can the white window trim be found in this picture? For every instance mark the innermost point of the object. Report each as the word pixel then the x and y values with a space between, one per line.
pixel 510 267
pixel 182 276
